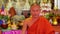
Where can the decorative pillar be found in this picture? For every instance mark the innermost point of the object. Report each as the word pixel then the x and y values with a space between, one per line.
pixel 55 4
pixel 9 4
pixel 58 4
pixel 26 6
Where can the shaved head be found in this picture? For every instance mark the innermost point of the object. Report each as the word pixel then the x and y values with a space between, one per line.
pixel 35 10
pixel 35 5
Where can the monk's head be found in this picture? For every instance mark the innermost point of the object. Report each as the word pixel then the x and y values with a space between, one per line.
pixel 35 10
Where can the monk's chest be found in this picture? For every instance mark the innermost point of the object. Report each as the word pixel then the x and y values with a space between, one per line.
pixel 31 22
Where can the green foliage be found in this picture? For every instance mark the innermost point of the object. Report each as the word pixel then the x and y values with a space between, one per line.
pixel 2 17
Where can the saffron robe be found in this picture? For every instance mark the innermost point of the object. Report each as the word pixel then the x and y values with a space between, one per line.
pixel 41 26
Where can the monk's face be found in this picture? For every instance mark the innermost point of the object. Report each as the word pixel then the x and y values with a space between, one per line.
pixel 35 11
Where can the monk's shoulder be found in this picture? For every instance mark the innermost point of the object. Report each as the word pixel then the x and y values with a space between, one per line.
pixel 44 20
pixel 42 17
pixel 27 20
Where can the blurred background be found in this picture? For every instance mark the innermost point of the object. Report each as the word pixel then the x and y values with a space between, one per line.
pixel 14 12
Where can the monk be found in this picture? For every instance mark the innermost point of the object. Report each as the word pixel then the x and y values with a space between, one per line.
pixel 37 24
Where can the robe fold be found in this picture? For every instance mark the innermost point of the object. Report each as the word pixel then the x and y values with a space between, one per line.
pixel 41 26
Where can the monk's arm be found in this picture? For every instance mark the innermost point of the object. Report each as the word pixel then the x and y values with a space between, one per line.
pixel 24 27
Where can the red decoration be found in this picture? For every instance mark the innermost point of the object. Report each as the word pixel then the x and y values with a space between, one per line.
pixel 12 11
pixel 4 26
pixel 0 32
pixel 0 11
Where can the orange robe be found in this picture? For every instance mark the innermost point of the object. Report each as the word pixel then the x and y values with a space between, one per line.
pixel 41 26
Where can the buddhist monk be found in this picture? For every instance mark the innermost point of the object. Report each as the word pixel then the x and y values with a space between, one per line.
pixel 37 24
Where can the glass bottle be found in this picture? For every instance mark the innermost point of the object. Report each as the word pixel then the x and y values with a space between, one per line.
pixel 55 21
